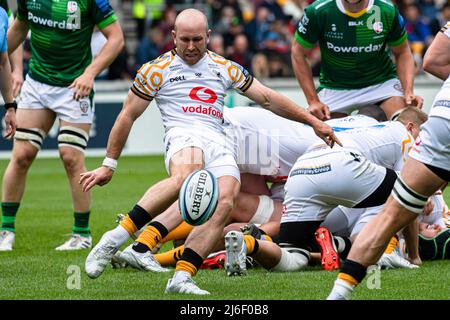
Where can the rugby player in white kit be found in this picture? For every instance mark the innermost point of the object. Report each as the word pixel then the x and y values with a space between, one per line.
pixel 189 85
pixel 359 175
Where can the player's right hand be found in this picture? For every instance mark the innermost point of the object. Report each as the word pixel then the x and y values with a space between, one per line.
pixel 99 176
pixel 319 110
pixel 10 123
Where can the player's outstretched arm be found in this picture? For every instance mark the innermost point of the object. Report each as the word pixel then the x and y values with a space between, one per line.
pixel 286 108
pixel 437 57
pixel 405 71
pixel 133 107
pixel 304 77
pixel 83 85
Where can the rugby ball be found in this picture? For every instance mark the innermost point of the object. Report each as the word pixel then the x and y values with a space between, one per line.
pixel 198 197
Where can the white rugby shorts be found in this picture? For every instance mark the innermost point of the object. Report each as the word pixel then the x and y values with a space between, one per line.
pixel 218 156
pixel 346 101
pixel 325 178
pixel 38 95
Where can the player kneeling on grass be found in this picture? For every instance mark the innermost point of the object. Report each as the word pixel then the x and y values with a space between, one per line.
pixel 362 172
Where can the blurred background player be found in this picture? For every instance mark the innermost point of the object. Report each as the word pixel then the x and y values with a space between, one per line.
pixel 426 170
pixel 59 85
pixel 356 70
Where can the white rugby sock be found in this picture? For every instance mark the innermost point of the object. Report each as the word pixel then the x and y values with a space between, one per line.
pixel 341 290
pixel 120 235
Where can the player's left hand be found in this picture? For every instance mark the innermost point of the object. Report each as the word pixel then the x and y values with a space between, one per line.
pixel 10 123
pixel 413 101
pixel 326 133
pixel 82 86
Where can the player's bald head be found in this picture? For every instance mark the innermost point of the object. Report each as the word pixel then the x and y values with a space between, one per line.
pixel 191 35
pixel 191 18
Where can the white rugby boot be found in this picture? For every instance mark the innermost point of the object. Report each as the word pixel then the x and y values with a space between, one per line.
pixel 141 261
pixel 101 255
pixel 76 242
pixel 236 252
pixel 7 239
pixel 393 261
pixel 182 283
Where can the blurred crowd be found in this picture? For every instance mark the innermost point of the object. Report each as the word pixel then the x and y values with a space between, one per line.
pixel 255 33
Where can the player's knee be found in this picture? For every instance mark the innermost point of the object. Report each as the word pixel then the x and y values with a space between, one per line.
pixel 23 158
pixel 72 158
pixel 292 259
pixel 407 197
pixel 227 201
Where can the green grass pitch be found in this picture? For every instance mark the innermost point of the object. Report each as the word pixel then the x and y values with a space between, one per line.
pixel 34 270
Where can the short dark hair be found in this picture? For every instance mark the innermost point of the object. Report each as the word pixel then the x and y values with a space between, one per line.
pixel 412 114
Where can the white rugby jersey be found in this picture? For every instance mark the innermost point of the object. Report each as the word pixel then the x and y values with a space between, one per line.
pixel 190 95
pixel 353 121
pixel 266 143
pixel 386 143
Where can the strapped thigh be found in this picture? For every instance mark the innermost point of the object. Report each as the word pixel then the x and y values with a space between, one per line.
pixel 407 197
pixel 73 137
pixel 35 136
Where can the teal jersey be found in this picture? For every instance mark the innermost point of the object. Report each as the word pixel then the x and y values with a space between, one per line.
pixel 61 32
pixel 353 48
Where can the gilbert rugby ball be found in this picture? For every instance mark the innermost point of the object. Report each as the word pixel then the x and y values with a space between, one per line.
pixel 198 197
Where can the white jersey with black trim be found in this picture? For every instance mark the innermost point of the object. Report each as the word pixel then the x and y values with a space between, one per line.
pixel 386 143
pixel 190 95
pixel 266 143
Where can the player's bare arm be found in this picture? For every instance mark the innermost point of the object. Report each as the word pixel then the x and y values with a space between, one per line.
pixel 286 108
pixel 16 59
pixel 411 234
pixel 304 77
pixel 114 44
pixel 17 34
pixel 437 60
pixel 6 91
pixel 133 107
pixel 405 71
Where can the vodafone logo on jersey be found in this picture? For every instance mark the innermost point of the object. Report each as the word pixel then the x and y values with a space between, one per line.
pixel 205 95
